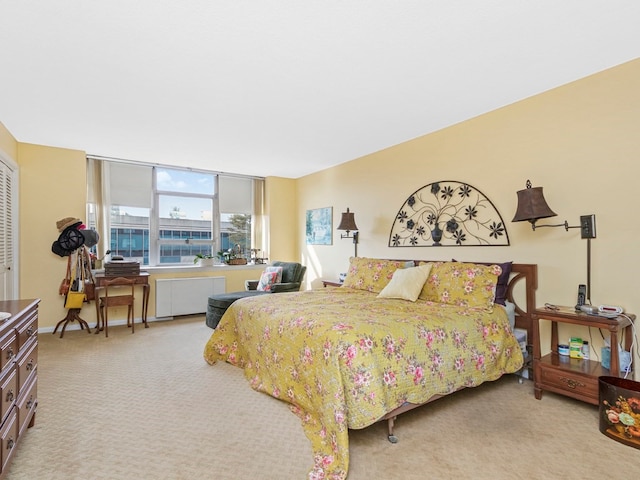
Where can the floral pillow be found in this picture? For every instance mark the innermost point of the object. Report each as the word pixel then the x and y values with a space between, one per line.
pixel 370 274
pixel 278 270
pixel 503 280
pixel 406 283
pixel 267 279
pixel 462 284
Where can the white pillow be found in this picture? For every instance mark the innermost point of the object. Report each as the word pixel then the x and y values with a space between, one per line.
pixel 406 283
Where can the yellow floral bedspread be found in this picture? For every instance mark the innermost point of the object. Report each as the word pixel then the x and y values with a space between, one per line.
pixel 343 358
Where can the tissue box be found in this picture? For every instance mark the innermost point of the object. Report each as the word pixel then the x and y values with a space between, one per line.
pixel 624 358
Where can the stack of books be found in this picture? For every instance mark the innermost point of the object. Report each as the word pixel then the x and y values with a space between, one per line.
pixel 121 269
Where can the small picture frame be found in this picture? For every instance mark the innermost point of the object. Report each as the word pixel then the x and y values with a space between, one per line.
pixel 319 226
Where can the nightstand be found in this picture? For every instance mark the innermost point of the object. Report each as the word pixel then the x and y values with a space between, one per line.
pixel 331 283
pixel 575 377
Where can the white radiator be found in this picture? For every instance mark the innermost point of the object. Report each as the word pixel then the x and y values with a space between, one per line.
pixel 185 296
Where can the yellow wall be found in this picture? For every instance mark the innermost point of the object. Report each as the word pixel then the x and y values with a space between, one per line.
pixel 52 186
pixel 283 224
pixel 580 142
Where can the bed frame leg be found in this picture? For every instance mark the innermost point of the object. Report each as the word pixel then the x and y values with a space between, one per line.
pixel 390 422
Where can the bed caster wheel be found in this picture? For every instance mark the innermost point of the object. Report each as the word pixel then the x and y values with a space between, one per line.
pixel 392 438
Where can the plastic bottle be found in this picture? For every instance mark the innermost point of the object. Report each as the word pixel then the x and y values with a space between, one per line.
pixel 585 350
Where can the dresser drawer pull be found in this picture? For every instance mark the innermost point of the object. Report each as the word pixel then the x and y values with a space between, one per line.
pixel 10 396
pixel 29 365
pixel 30 402
pixel 10 353
pixel 571 383
pixel 30 331
pixel 10 443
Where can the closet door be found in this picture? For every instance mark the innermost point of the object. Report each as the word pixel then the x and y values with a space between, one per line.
pixel 8 267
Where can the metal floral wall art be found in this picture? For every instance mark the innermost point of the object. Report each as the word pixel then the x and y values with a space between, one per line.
pixel 448 213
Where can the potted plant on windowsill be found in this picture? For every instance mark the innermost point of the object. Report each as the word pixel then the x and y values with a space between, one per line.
pixel 204 259
pixel 231 257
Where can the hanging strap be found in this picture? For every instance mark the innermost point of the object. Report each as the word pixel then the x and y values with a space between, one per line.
pixel 68 274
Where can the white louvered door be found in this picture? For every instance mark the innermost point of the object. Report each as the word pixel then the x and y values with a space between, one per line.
pixel 8 267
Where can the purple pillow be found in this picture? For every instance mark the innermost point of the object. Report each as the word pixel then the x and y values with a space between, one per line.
pixel 503 280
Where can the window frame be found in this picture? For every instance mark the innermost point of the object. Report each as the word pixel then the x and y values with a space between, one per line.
pixel 155 241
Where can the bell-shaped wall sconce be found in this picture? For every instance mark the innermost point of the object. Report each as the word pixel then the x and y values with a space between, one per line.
pixel 348 224
pixel 532 207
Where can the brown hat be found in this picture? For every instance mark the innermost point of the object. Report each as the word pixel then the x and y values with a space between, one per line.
pixel 67 222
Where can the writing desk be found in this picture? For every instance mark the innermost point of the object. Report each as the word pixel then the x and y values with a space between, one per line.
pixel 141 279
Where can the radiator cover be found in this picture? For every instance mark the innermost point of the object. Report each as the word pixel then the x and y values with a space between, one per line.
pixel 186 296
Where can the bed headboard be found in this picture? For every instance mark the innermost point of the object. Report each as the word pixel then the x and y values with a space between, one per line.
pixel 521 291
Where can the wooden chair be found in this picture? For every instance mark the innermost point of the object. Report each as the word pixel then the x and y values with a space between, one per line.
pixel 110 299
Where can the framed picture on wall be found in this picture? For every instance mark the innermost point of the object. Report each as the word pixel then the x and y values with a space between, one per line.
pixel 319 226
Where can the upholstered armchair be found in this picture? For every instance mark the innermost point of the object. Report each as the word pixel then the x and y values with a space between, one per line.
pixel 292 275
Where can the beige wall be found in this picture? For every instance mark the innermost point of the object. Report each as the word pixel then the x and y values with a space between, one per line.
pixel 580 142
pixel 284 227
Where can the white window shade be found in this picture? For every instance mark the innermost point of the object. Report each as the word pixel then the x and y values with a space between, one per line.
pixel 130 185
pixel 235 195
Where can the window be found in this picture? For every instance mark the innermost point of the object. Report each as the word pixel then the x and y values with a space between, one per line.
pixel 161 215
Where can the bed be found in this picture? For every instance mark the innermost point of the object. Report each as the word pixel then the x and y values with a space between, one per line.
pixel 345 358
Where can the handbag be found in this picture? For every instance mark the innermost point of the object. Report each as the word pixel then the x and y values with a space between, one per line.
pixel 63 289
pixel 74 300
pixel 89 282
pixel 76 296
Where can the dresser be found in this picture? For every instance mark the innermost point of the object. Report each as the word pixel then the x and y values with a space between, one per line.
pixel 18 374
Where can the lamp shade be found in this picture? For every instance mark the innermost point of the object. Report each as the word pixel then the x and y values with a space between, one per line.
pixel 532 205
pixel 348 222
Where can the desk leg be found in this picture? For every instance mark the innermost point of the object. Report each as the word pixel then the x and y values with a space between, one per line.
pixel 145 303
pixel 72 314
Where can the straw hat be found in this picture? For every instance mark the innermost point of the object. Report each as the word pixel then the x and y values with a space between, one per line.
pixel 67 222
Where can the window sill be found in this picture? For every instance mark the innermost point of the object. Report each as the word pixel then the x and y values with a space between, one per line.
pixel 195 268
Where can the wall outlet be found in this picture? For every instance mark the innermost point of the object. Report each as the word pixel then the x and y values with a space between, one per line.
pixel 588 226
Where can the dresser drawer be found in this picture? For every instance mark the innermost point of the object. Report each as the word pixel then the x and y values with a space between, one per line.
pixel 570 382
pixel 8 348
pixel 27 363
pixel 27 404
pixel 8 392
pixel 27 329
pixel 8 438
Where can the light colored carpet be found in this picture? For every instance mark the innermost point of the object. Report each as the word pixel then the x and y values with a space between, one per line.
pixel 147 406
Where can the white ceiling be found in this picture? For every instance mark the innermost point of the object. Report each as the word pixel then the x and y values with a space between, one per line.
pixel 285 87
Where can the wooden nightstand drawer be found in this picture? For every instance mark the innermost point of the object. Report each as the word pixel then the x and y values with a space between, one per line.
pixel 581 387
